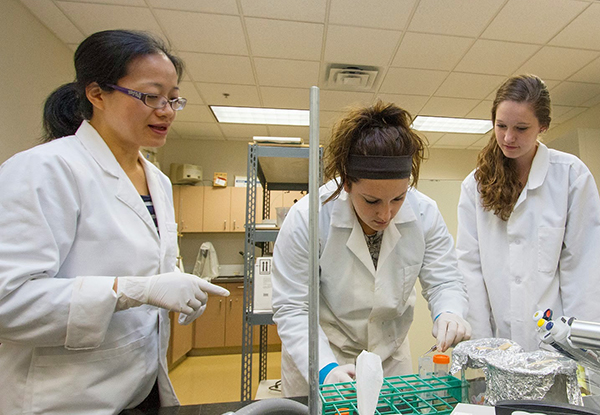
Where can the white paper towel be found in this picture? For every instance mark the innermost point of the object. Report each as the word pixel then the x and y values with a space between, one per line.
pixel 369 378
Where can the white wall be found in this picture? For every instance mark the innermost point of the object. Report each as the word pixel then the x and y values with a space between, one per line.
pixel 33 62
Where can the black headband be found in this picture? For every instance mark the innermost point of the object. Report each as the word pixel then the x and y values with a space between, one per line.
pixel 379 167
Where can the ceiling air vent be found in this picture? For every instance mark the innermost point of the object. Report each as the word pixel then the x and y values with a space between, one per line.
pixel 347 77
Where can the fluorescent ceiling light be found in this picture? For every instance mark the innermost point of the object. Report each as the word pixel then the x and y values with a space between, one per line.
pixel 247 115
pixel 452 125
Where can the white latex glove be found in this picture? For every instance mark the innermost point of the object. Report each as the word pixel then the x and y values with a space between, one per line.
pixel 449 329
pixel 174 291
pixel 340 374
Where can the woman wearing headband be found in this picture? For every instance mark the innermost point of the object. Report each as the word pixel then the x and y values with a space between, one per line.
pixel 377 235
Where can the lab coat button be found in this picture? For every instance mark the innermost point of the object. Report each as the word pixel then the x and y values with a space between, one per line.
pixel 518 280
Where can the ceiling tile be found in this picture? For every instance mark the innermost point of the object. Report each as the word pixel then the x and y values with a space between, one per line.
pixel 238 95
pixel 305 11
pixel 207 6
pixel 592 102
pixel 448 107
pixel 218 68
pixel 583 32
pixel 188 91
pixel 138 3
pixel 197 129
pixel 452 140
pixel 495 58
pixel 558 110
pixel 568 115
pixel 340 100
pixel 246 131
pixel 92 18
pixel 55 20
pixel 200 32
pixel 574 93
pixel 532 21
pixel 287 73
pixel 388 14
pixel 360 46
pixel 454 17
pixel 557 63
pixel 412 81
pixel 421 50
pixel 483 111
pixel 479 144
pixel 294 98
pixel 284 39
pixel 328 118
pixel 464 85
pixel 195 113
pixel 589 73
pixel 410 103
pixel 432 137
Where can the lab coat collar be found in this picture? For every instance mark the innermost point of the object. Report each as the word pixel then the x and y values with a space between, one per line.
pixel 125 191
pixel 343 216
pixel 539 167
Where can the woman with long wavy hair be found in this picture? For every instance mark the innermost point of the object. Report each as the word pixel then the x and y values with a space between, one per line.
pixel 528 223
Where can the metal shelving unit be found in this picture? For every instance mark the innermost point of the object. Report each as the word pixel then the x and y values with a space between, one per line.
pixel 276 167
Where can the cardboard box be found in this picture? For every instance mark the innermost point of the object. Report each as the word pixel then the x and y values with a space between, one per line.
pixel 220 180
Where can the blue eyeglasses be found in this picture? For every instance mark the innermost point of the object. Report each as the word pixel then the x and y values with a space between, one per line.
pixel 152 100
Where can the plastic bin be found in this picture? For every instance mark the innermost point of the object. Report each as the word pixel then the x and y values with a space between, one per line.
pixel 410 394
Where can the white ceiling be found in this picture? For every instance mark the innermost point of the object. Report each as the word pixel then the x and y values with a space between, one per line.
pixel 435 57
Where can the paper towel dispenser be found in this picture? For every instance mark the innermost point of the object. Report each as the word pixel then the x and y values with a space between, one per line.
pixel 185 173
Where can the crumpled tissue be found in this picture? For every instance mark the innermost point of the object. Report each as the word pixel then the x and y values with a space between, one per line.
pixel 369 378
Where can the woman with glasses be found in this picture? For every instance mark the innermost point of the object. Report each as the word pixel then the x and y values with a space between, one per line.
pixel 88 241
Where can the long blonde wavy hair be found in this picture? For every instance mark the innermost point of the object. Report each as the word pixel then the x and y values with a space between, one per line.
pixel 496 175
pixel 382 129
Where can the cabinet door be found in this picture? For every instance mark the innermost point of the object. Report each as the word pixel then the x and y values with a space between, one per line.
pixel 209 328
pixel 217 205
pixel 181 338
pixel 191 201
pixel 272 336
pixel 238 209
pixel 234 315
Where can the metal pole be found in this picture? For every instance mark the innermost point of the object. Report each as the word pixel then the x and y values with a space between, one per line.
pixel 313 250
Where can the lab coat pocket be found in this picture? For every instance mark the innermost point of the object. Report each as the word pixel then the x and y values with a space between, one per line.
pixel 550 243
pixel 57 380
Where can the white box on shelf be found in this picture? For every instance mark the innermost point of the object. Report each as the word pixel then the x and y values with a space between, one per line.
pixel 262 285
pixel 240 181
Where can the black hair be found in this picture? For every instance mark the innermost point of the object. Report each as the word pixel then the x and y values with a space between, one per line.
pixel 103 57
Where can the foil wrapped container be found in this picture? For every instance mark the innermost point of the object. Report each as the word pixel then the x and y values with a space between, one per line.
pixel 512 374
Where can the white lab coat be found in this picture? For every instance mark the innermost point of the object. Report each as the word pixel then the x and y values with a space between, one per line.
pixel 545 256
pixel 360 308
pixel 70 222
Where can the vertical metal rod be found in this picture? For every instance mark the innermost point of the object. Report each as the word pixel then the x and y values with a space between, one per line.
pixel 313 250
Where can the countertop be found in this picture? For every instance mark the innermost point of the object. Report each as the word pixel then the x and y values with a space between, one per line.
pixel 205 409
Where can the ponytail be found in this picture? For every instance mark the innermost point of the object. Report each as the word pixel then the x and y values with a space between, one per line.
pixel 62 114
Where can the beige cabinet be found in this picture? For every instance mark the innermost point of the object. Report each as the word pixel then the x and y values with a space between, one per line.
pixel 221 324
pixel 180 342
pixel 283 198
pixel 212 209
pixel 190 207
pixel 217 208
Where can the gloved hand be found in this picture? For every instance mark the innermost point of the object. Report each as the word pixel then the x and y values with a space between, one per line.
pixel 339 374
pixel 449 329
pixel 174 291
